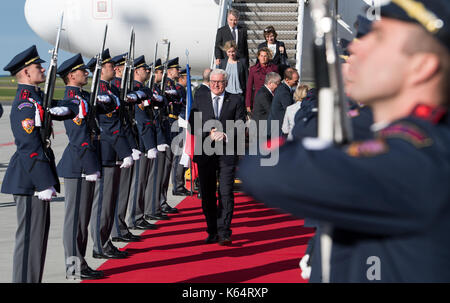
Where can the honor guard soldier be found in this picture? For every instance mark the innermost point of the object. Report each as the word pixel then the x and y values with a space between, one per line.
pixel 114 150
pixel 175 107
pixel 31 175
pixel 147 126
pixel 120 231
pixel 80 166
pixel 387 198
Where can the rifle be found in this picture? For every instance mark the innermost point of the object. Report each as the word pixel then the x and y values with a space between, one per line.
pixel 151 81
pixel 46 129
pixel 126 111
pixel 92 115
pixel 333 122
pixel 166 65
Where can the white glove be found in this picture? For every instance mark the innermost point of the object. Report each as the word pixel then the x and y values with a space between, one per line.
pixel 127 162
pixel 171 91
pixel 306 270
pixel 93 177
pixel 151 154
pixel 140 94
pixel 103 99
pixel 157 98
pixel 46 195
pixel 146 103
pixel 131 98
pixel 136 154
pixel 182 123
pixel 162 147
pixel 59 111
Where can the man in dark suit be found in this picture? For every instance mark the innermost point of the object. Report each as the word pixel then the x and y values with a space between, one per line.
pixel 283 98
pixel 234 32
pixel 264 96
pixel 215 109
pixel 204 86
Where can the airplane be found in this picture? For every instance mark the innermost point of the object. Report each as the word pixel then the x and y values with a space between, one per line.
pixel 188 25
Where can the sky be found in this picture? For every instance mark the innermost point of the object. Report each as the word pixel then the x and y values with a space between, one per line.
pixel 16 35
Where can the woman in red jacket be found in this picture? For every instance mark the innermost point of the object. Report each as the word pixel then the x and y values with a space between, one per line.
pixel 257 75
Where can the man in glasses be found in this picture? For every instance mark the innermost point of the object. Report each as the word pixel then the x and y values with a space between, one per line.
pixel 207 120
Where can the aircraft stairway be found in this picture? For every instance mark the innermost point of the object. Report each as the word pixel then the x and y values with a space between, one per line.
pixel 281 14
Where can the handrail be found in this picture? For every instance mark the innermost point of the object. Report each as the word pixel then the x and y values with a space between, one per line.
pixel 224 6
pixel 301 14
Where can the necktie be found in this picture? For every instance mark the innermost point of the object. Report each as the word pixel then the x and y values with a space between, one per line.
pixel 233 32
pixel 216 106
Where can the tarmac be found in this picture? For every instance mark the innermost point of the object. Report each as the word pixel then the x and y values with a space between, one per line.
pixel 54 271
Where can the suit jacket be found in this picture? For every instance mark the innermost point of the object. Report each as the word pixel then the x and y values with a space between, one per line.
pixel 262 104
pixel 281 100
pixel 277 57
pixel 232 109
pixel 224 34
pixel 242 72
pixel 201 89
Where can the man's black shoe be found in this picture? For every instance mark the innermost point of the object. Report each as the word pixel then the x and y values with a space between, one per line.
pixel 126 238
pixel 144 225
pixel 86 274
pixel 158 216
pixel 108 255
pixel 181 192
pixel 225 241
pixel 212 239
pixel 167 209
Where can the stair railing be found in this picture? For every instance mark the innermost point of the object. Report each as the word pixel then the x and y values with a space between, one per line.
pixel 301 14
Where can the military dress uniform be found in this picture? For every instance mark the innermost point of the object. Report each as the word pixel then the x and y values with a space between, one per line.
pixel 31 169
pixel 376 194
pixel 147 114
pixel 114 148
pixel 79 160
pixel 120 231
pixel 175 109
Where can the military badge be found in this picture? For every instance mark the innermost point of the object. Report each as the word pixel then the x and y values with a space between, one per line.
pixel 28 125
pixel 109 115
pixel 77 120
pixel 368 148
pixel 353 113
pixel 24 94
pixel 408 132
pixel 24 105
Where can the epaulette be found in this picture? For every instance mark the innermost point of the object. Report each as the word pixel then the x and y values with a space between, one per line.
pixel 408 132
pixel 369 148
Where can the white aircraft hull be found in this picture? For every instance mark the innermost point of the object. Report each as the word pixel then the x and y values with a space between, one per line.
pixel 187 24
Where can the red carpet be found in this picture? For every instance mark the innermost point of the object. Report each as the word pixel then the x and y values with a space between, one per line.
pixel 267 247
